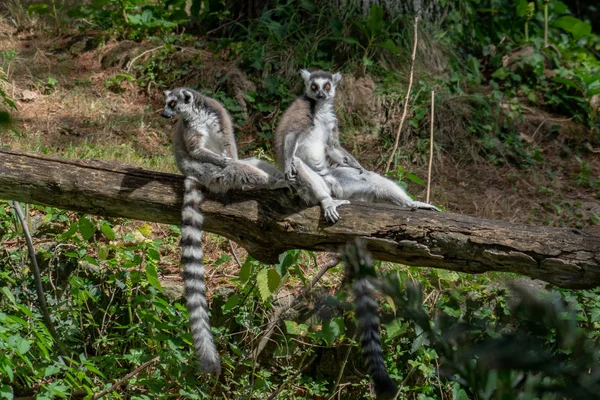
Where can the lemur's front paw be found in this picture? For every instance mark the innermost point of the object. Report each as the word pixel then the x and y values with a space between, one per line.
pixel 290 172
pixel 225 161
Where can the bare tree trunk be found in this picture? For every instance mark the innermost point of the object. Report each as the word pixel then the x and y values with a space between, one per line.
pixel 267 223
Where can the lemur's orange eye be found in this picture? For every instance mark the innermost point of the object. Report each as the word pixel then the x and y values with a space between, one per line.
pixel 172 104
pixel 313 86
pixel 327 86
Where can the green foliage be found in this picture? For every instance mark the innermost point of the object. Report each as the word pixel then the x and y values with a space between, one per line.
pixel 111 307
pixel 533 348
pixel 133 19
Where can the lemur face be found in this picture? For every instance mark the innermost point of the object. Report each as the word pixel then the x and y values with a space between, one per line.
pixel 320 85
pixel 178 101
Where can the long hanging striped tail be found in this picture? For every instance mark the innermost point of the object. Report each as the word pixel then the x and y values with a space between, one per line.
pixel 193 277
pixel 359 266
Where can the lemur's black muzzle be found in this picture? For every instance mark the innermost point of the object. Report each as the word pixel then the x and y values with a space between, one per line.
pixel 166 114
pixel 320 95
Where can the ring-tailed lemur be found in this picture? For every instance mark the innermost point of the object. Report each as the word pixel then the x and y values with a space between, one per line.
pixel 307 145
pixel 359 270
pixel 311 125
pixel 205 152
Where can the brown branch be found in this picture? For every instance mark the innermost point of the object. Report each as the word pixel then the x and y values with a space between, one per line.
pixel 267 223
pixel 124 379
pixel 405 107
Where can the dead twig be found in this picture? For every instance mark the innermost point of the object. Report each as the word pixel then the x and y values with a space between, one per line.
pixel 124 379
pixel 234 254
pixel 405 108
pixel 134 59
pixel 341 373
pixel 430 145
pixel 37 278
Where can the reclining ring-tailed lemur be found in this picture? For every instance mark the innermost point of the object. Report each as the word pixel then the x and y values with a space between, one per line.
pixel 205 152
pixel 309 151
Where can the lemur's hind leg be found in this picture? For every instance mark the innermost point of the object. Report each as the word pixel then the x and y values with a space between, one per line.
pixel 265 166
pixel 237 175
pixel 241 174
pixel 314 190
pixel 370 186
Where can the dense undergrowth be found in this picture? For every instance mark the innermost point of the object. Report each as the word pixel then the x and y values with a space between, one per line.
pixel 104 279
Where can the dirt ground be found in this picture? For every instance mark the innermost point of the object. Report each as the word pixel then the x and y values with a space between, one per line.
pixel 64 107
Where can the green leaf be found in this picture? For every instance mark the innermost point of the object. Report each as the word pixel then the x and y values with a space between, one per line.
pixel 6 392
pixel 458 393
pixel 51 370
pixel 153 254
pixel 395 329
pixel 348 40
pixel 9 294
pixel 294 328
pixel 262 281
pixel 231 303
pixel 102 252
pixel 559 7
pixel 22 345
pixel 37 8
pixel 72 230
pixel 413 178
pixel 152 276
pixel 331 331
pixel 107 231
pixel 500 73
pixel 90 367
pixel 246 270
pixel 521 8
pixel 286 260
pixel 86 228
pixel 274 279
pixel 574 26
pixel 375 21
pixel 9 372
pixel 389 45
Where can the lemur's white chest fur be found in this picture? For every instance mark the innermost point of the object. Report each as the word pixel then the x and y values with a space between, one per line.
pixel 207 125
pixel 311 148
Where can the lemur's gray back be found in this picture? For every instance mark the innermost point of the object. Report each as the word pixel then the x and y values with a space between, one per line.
pixel 297 118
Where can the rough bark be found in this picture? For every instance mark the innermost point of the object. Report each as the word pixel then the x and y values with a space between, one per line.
pixel 267 223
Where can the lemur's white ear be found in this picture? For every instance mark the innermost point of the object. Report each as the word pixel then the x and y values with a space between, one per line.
pixel 305 74
pixel 187 95
pixel 336 78
pixel 167 93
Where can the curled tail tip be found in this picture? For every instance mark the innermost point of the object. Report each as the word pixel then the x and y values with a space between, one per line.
pixel 385 388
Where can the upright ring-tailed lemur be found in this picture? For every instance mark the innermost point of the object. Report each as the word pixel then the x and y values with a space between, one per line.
pixel 359 270
pixel 307 145
pixel 205 152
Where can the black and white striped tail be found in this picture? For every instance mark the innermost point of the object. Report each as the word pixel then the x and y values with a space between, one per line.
pixel 193 277
pixel 368 329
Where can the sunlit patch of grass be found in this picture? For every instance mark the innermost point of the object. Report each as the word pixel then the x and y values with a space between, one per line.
pixel 122 153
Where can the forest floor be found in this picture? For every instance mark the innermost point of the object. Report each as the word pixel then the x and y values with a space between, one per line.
pixel 65 107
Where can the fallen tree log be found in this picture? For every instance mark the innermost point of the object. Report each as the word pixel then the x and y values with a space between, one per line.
pixel 267 222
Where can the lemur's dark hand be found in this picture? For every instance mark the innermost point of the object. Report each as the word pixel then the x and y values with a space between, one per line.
pixel 290 171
